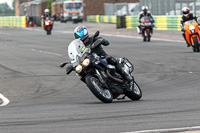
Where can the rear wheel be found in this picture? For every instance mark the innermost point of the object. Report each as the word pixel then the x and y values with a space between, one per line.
pixel 196 44
pixel 98 90
pixel 136 92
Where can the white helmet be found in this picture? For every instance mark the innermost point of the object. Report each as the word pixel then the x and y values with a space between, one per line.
pixel 46 10
pixel 185 11
pixel 145 8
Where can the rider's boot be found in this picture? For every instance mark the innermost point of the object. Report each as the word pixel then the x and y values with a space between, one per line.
pixel 138 30
pixel 130 80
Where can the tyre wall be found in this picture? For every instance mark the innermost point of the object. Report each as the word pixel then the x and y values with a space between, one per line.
pixel 131 22
pixel 13 21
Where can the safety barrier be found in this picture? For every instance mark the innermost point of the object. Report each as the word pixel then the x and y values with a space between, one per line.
pixel 167 22
pixel 161 22
pixel 13 21
pixel 93 18
pixel 131 22
pixel 102 19
pixel 108 19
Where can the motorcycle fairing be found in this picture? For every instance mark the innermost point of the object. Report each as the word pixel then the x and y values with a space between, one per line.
pixel 188 34
pixel 76 50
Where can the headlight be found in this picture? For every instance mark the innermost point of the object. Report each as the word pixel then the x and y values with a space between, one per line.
pixel 86 62
pixel 47 23
pixel 79 68
pixel 192 28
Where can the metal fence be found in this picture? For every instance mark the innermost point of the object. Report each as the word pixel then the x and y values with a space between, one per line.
pixel 109 9
pixel 121 9
pixel 157 7
pixel 171 7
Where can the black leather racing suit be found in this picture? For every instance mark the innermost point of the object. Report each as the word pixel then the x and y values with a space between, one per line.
pixel 142 14
pixel 95 46
pixel 190 17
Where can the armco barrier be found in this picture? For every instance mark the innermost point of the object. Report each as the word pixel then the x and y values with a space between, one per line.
pixel 131 22
pixel 13 21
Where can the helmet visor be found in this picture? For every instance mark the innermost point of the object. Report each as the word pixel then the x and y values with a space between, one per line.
pixel 186 12
pixel 76 36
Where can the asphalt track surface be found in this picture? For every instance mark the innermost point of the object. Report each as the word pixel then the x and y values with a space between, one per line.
pixel 44 100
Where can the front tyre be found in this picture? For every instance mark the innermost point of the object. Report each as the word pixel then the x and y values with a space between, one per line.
pixel 144 38
pixel 196 44
pixel 148 35
pixel 136 92
pixel 98 90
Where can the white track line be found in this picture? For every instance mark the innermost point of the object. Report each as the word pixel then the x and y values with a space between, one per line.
pixel 135 37
pixel 125 36
pixel 111 35
pixel 4 99
pixel 167 130
pixel 46 52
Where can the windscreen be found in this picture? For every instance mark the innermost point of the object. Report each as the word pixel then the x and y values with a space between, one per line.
pixel 73 6
pixel 76 50
pixel 189 22
pixel 146 18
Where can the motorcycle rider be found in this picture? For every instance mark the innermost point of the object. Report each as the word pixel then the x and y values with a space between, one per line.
pixel 46 14
pixel 186 16
pixel 144 12
pixel 82 33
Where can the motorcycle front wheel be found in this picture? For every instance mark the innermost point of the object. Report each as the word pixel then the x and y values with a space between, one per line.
pixel 144 38
pixel 196 44
pixel 49 31
pixel 136 92
pixel 98 90
pixel 149 35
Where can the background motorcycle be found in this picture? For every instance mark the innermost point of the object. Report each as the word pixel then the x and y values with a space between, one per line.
pixel 99 76
pixel 48 25
pixel 147 28
pixel 192 34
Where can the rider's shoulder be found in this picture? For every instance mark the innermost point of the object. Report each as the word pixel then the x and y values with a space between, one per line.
pixel 141 13
pixel 149 12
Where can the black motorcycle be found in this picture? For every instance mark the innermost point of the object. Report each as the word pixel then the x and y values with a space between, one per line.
pixel 99 76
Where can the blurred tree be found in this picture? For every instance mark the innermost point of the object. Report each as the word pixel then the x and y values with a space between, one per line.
pixel 5 9
pixel 49 4
pixel 13 4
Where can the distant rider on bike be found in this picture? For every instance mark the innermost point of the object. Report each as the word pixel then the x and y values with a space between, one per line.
pixel 95 46
pixel 46 14
pixel 186 16
pixel 144 12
